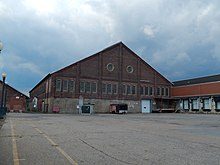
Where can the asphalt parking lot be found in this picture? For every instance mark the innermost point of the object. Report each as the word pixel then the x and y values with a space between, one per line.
pixel 141 139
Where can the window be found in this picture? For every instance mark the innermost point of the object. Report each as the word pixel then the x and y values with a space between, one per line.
pixel 185 104
pixel 142 90
pixel 151 92
pixel 82 86
pixel 93 87
pixel 146 89
pixel 206 104
pixel 109 88
pixel 124 89
pixel 130 69
pixel 167 92
pixel 88 87
pixel 162 92
pixel 103 88
pixel 158 91
pixel 133 90
pixel 128 89
pixel 115 88
pixel 195 104
pixel 65 85
pixel 58 85
pixel 110 67
pixel 71 86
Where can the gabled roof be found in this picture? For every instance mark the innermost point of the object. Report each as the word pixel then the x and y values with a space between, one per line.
pixel 111 47
pixel 91 56
pixel 200 80
pixel 15 90
pixel 40 82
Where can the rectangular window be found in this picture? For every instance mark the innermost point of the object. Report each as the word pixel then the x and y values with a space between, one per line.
pixel 115 88
pixel 71 85
pixel 167 92
pixel 88 87
pixel 206 104
pixel 124 89
pixel 82 87
pixel 133 90
pixel 103 88
pixel 146 90
pixel 128 89
pixel 151 92
pixel 65 85
pixel 195 104
pixel 185 104
pixel 93 87
pixel 162 92
pixel 158 92
pixel 109 88
pixel 142 90
pixel 58 85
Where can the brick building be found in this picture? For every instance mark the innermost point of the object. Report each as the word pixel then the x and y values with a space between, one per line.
pixel 15 100
pixel 198 94
pixel 115 75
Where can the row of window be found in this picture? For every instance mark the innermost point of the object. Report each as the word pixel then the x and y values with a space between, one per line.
pixel 197 104
pixel 108 88
pixel 65 85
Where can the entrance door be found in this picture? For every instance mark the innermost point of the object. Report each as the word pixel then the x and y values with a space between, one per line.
pixel 146 106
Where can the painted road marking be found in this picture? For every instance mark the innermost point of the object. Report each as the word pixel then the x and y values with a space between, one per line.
pixel 73 162
pixel 14 145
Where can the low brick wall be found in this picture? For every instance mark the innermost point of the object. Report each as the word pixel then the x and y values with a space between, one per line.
pixel 68 105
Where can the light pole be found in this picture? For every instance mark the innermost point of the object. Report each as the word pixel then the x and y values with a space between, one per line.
pixel 3 110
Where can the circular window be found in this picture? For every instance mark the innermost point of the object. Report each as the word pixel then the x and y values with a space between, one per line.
pixel 130 69
pixel 110 67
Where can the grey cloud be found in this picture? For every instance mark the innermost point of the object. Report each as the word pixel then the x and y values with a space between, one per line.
pixel 170 35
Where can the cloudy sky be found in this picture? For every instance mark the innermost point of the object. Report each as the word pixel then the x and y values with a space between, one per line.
pixel 179 38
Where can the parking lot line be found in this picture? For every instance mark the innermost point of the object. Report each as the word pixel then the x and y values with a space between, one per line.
pixel 73 162
pixel 14 145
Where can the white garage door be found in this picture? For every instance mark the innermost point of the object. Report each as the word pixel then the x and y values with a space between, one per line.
pixel 146 106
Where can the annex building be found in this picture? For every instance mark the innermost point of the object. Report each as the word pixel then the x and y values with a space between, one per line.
pixel 198 94
pixel 14 100
pixel 115 75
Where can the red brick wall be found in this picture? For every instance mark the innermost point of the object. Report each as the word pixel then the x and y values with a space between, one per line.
pixel 196 90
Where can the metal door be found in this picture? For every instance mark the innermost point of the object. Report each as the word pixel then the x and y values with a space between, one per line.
pixel 146 106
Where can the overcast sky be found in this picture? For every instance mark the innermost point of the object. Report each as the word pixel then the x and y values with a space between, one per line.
pixel 179 38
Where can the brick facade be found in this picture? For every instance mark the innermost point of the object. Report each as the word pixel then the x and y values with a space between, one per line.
pixel 15 100
pixel 114 75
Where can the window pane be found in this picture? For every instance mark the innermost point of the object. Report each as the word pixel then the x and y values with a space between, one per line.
pixel 124 89
pixel 115 88
pixel 133 90
pixel 162 92
pixel 142 91
pixel 58 85
pixel 195 104
pixel 71 86
pixel 167 92
pixel 186 104
pixel 109 88
pixel 93 86
pixel 151 91
pixel 206 104
pixel 88 87
pixel 65 85
pixel 146 91
pixel 128 89
pixel 82 86
pixel 158 91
